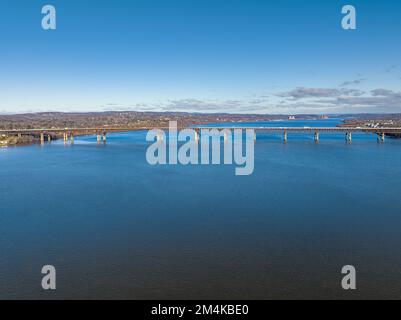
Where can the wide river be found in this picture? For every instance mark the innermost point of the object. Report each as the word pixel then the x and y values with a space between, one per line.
pixel 116 227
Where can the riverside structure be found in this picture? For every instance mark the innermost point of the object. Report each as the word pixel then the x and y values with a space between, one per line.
pixel 46 134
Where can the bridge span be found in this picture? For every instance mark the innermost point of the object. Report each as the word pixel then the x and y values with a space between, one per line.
pixel 348 131
pixel 101 132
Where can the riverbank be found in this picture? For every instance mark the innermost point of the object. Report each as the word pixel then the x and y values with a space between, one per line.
pixel 375 122
pixel 11 141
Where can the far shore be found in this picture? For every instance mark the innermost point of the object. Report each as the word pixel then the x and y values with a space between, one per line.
pixel 120 119
pixel 129 119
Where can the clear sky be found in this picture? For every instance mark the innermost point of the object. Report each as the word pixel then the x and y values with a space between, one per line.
pixel 283 56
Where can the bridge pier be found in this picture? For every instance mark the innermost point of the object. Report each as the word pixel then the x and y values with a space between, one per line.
pixel 285 136
pixel 196 136
pixel 42 138
pixel 254 136
pixel 225 136
pixel 104 137
pixel 348 137
pixel 99 138
pixel 49 138
pixel 316 136
pixel 72 138
pixel 381 137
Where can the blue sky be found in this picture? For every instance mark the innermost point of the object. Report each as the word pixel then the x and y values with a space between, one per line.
pixel 253 56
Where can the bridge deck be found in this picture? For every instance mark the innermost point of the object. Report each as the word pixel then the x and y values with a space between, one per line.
pixel 266 129
pixel 314 129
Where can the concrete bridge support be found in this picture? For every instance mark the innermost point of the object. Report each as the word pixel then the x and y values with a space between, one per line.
pixel 65 137
pixel 285 136
pixel 72 138
pixel 196 136
pixel 226 136
pixel 381 137
pixel 99 138
pixel 316 136
pixel 348 137
pixel 104 137
pixel 42 138
pixel 49 138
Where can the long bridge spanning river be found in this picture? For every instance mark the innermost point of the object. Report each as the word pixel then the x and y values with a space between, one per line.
pixel 101 132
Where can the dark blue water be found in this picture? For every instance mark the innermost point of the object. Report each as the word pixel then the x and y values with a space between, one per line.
pixel 116 227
